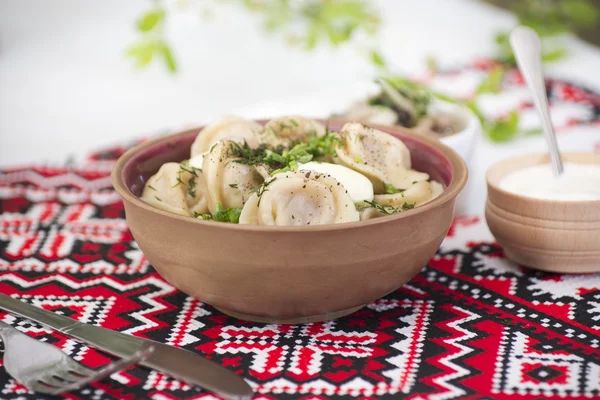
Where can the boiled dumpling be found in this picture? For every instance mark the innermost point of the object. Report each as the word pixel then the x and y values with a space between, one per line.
pixel 418 194
pixel 379 156
pixel 284 131
pixel 177 188
pixel 299 198
pixel 228 182
pixel 370 114
pixel 228 127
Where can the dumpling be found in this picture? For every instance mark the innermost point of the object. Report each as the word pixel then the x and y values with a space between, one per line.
pixel 228 127
pixel 228 182
pixel 418 194
pixel 177 188
pixel 299 198
pixel 371 114
pixel 379 156
pixel 284 131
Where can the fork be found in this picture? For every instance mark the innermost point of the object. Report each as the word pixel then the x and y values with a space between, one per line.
pixel 45 368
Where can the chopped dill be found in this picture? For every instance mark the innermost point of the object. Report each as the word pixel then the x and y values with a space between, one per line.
pixel 388 209
pixel 152 187
pixel 233 185
pixel 192 187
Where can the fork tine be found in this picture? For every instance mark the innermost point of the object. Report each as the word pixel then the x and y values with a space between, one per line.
pixel 76 371
pixel 51 380
pixel 108 370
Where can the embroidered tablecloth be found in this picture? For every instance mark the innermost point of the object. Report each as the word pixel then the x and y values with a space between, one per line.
pixel 471 325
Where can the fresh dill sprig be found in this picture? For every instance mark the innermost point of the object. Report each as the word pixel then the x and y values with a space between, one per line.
pixel 192 187
pixel 388 209
pixel 262 189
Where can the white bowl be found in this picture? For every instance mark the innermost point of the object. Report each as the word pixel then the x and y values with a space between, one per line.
pixel 464 141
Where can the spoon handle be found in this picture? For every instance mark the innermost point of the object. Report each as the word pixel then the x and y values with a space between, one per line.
pixel 527 48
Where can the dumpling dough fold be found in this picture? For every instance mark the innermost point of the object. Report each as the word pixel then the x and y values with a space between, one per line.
pixel 379 156
pixel 299 198
pixel 284 131
pixel 177 188
pixel 228 127
pixel 228 182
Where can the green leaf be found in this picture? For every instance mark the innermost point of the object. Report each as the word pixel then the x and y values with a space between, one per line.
pixel 493 82
pixel 150 20
pixel 142 52
pixel 168 58
pixel 504 130
pixel 378 60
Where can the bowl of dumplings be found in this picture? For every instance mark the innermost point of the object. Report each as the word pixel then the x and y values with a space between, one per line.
pixel 291 220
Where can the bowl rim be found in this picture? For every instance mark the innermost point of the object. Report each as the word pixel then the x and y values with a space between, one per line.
pixel 495 185
pixel 459 179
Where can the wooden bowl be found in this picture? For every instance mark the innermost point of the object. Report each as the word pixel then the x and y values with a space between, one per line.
pixel 557 236
pixel 287 274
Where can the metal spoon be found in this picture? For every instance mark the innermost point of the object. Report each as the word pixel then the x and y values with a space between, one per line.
pixel 527 47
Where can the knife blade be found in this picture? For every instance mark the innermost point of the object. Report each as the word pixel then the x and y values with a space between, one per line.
pixel 179 363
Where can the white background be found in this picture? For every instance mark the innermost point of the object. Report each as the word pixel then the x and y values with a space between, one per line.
pixel 66 87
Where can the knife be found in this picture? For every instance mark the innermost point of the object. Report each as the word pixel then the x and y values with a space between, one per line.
pixel 179 363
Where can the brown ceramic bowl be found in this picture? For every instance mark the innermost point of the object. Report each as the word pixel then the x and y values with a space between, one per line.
pixel 287 274
pixel 557 236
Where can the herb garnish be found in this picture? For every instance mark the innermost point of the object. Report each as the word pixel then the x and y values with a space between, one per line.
pixel 157 198
pixel 151 187
pixel 384 209
pixel 391 189
pixel 233 185
pixel 179 181
pixel 227 215
pixel 185 166
pixel 407 206
pixel 203 216
pixel 388 209
pixel 281 159
pixel 192 187
pixel 262 189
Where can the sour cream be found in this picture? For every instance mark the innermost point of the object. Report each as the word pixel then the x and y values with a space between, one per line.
pixel 579 182
pixel 197 161
pixel 359 187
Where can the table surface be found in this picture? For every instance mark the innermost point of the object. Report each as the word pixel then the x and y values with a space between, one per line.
pixel 472 324
pixel 66 88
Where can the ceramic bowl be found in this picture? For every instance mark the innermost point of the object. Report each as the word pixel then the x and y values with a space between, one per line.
pixel 287 274
pixel 557 236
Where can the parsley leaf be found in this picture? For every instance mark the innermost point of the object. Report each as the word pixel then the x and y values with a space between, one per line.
pixel 227 215
pixel 203 216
